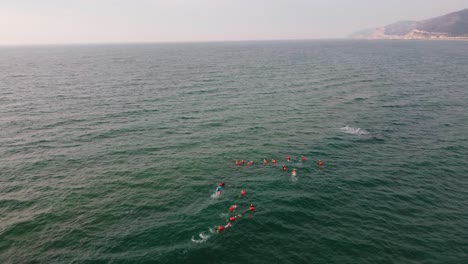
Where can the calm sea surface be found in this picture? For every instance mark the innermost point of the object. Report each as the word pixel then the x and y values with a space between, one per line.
pixel 112 153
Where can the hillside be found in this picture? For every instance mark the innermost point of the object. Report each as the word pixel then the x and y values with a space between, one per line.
pixel 450 26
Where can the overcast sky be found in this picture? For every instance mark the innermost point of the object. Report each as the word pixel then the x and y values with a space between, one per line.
pixel 105 21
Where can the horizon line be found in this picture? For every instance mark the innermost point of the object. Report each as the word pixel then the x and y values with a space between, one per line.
pixel 166 42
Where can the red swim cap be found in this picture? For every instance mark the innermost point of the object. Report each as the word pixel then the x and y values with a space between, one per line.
pixel 232 219
pixel 251 208
pixel 220 228
pixel 242 192
pixel 231 208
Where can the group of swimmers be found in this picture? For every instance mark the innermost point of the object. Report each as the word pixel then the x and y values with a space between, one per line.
pixel 231 208
pixel 273 162
pixel 231 219
pixel 251 209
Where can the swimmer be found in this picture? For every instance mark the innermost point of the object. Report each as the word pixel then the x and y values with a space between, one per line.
pixel 237 163
pixel 288 158
pixel 221 184
pixel 273 161
pixel 243 162
pixel 242 192
pixel 320 163
pixel 232 208
pixel 264 162
pixel 293 173
pixel 233 218
pixel 218 190
pixel 303 158
pixel 249 163
pixel 284 168
pixel 252 207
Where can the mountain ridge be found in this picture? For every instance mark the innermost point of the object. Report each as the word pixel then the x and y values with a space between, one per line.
pixel 450 26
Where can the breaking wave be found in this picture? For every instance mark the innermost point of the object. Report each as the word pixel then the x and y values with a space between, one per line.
pixel 354 131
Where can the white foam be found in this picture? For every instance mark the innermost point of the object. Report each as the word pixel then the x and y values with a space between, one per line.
pixel 202 239
pixel 215 196
pixel 354 131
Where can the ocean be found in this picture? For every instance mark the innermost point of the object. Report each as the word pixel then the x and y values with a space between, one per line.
pixel 112 153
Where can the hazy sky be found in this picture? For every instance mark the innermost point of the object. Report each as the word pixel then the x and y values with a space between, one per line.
pixel 94 21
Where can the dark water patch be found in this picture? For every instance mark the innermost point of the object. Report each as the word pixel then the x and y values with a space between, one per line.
pixel 17 76
pixel 360 99
pixel 370 140
pixel 188 117
pixel 213 124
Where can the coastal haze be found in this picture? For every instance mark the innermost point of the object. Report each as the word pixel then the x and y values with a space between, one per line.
pixel 108 21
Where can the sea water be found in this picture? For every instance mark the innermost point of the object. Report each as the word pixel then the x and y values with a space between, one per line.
pixel 112 153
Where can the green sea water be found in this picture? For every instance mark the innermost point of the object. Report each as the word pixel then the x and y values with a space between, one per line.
pixel 112 153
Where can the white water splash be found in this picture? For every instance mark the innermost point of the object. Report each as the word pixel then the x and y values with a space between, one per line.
pixel 203 238
pixel 215 196
pixel 354 131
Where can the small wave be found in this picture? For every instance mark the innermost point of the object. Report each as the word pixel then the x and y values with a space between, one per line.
pixel 360 99
pixel 354 131
pixel 224 215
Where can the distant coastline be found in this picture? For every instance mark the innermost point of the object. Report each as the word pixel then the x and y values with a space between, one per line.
pixel 453 26
pixel 412 35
